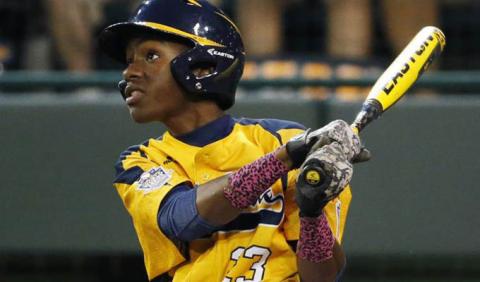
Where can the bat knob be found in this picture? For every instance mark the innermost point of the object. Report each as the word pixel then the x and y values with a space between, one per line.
pixel 311 193
pixel 314 175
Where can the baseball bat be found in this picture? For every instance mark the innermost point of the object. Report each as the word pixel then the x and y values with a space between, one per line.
pixel 392 85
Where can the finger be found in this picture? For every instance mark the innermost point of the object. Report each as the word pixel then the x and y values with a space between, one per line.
pixel 363 156
pixel 322 141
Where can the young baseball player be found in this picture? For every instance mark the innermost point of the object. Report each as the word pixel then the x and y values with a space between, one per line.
pixel 215 197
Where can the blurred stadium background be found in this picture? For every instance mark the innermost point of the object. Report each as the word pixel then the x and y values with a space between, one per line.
pixel 63 124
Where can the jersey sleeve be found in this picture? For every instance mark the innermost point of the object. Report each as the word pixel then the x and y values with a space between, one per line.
pixel 142 185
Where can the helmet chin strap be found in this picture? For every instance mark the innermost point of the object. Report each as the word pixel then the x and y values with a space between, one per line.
pixel 122 84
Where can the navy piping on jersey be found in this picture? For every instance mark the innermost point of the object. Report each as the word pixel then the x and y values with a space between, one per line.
pixel 223 126
pixel 130 175
pixel 273 126
pixel 249 221
pixel 209 133
pixel 174 219
pixel 178 217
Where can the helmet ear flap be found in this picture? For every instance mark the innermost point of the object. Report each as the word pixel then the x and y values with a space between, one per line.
pixel 223 68
pixel 184 68
pixel 211 69
pixel 204 69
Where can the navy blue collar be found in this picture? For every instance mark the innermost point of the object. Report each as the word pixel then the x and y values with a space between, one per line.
pixel 209 133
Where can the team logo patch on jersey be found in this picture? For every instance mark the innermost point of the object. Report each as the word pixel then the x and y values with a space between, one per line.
pixel 153 179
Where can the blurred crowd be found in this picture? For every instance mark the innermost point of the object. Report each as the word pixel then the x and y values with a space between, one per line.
pixel 61 34
pixel 56 34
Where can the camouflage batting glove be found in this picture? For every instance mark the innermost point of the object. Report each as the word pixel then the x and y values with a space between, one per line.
pixel 339 131
pixel 324 175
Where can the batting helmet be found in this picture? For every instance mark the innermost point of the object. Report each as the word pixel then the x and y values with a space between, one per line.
pixel 214 38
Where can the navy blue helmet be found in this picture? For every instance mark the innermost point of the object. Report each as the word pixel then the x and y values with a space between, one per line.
pixel 214 38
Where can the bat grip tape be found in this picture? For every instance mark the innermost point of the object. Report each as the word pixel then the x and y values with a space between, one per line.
pixel 371 110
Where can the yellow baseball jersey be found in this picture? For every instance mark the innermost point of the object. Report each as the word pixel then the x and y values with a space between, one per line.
pixel 254 246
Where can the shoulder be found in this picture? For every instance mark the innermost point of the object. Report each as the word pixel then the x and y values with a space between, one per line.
pixel 271 125
pixel 147 166
pixel 129 158
pixel 135 149
pixel 282 130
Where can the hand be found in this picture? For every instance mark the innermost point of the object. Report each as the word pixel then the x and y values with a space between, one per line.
pixel 324 175
pixel 339 131
pixel 363 156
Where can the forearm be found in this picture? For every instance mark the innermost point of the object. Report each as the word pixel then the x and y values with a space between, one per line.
pixel 188 214
pixel 223 199
pixel 71 30
pixel 319 256
pixel 211 203
pixel 328 270
pixel 220 201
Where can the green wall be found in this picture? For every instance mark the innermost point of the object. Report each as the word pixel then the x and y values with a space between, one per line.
pixel 418 195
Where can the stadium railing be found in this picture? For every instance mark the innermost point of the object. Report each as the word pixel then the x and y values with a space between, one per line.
pixel 27 80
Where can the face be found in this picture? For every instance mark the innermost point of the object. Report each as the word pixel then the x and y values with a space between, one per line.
pixel 152 92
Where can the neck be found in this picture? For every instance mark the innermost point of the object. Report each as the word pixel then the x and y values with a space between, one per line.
pixel 194 116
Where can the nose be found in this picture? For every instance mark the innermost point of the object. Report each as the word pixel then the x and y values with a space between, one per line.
pixel 132 71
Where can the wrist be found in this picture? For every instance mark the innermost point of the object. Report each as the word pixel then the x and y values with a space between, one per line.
pixel 282 155
pixel 297 151
pixel 316 239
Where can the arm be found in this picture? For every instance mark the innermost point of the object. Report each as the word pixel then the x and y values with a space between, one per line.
pixel 324 271
pixel 188 214
pixel 319 256
pixel 222 199
pixel 72 26
pixel 217 209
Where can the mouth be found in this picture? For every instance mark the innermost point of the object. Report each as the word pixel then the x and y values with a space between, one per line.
pixel 133 94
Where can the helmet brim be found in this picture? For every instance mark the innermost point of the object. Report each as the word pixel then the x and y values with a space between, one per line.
pixel 114 39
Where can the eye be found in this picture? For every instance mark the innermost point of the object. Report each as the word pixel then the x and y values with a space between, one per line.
pixel 151 56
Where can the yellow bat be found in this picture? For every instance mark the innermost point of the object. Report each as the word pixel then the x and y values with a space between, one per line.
pixel 401 75
pixel 392 85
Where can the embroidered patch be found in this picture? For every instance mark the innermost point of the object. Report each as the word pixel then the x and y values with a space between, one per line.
pixel 154 178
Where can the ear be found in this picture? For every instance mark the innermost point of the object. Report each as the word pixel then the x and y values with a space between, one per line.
pixel 202 70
